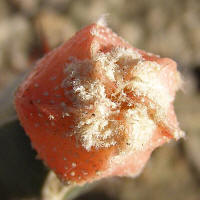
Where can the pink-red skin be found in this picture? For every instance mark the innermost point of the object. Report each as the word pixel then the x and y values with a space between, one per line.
pixel 50 137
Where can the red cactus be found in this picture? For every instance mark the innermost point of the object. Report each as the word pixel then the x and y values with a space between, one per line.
pixel 97 107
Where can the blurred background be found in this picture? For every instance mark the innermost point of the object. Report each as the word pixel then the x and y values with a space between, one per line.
pixel 169 28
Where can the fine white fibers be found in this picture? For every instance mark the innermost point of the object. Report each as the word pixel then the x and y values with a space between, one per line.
pixel 147 83
pixel 139 126
pixel 102 20
pixel 104 119
pixel 109 60
pixel 94 130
